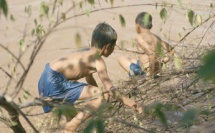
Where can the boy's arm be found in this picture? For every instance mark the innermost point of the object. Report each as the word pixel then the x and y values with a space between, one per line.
pixel 90 80
pixel 167 47
pixel 170 50
pixel 102 73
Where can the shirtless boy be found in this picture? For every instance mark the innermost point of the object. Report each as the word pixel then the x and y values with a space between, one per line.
pixel 151 62
pixel 59 78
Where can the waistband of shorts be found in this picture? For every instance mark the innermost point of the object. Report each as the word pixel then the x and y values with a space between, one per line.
pixel 48 68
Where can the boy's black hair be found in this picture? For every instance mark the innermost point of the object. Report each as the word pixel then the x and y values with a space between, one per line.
pixel 144 19
pixel 103 34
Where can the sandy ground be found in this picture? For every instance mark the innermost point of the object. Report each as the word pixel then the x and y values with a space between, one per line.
pixel 62 41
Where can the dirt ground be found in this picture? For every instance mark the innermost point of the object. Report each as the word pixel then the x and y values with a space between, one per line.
pixel 62 41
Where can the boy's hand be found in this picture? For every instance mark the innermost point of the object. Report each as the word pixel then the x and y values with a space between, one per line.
pixel 165 59
pixel 137 108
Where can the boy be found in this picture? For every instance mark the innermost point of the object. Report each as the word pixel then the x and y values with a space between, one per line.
pixel 153 47
pixel 58 80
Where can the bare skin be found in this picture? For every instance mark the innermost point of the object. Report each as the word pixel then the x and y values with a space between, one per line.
pixel 151 61
pixel 84 64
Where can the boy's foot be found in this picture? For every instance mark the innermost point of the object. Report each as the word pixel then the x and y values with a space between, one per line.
pixel 70 127
pixel 137 108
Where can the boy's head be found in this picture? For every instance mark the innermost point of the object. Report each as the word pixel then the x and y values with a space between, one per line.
pixel 144 20
pixel 103 34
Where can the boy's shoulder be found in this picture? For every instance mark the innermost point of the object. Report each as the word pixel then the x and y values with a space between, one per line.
pixel 144 37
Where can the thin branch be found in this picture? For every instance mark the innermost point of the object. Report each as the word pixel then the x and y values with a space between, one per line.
pixel 187 34
pixel 5 72
pixel 131 124
pixel 6 121
pixel 14 56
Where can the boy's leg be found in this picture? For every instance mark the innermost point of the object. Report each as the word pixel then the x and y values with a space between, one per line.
pixel 126 62
pixel 144 60
pixel 87 92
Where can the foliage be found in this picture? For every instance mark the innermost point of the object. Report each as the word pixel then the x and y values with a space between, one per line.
pixel 4 7
pixel 65 110
pixel 95 123
pixel 158 109
pixel 122 20
pixel 207 71
pixel 163 14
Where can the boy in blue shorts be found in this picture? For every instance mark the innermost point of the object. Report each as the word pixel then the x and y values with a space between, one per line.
pixel 59 78
pixel 149 63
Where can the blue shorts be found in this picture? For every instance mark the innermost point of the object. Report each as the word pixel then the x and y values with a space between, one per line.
pixel 136 68
pixel 54 85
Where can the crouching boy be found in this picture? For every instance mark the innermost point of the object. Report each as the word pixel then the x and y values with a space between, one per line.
pixel 59 78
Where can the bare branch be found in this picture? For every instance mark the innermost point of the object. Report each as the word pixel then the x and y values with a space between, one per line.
pixel 5 72
pixel 14 56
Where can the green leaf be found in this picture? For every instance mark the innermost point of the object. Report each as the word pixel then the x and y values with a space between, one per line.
pixel 66 110
pixel 100 125
pixel 4 7
pixel 33 32
pixel 180 2
pixel 122 20
pixel 44 9
pixel 28 10
pixel 157 109
pixel 40 31
pixel 63 16
pixel 25 96
pixel 90 126
pixel 177 62
pixel 163 14
pixel 88 12
pixel 12 18
pixel 78 40
pixel 211 5
pixel 198 20
pixel 146 20
pixel 111 2
pixel 189 117
pixel 35 21
pixel 92 2
pixel 14 123
pixel 22 44
pixel 20 100
pixel 159 50
pixel 207 71
pixel 179 34
pixel 81 5
pixel 191 16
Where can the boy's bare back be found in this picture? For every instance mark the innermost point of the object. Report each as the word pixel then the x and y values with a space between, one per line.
pixel 147 42
pixel 77 65
pixel 150 42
